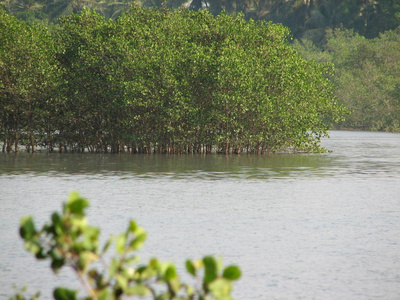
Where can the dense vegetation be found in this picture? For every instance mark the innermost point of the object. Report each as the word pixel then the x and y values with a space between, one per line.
pixel 306 18
pixel 163 81
pixel 361 38
pixel 367 78
pixel 69 241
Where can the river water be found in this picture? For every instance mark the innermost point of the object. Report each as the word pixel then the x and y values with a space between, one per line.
pixel 305 226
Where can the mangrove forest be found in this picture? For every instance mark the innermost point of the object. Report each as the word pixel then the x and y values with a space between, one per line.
pixel 160 81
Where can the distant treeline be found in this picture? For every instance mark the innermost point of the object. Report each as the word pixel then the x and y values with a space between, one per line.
pixel 367 77
pixel 307 19
pixel 159 81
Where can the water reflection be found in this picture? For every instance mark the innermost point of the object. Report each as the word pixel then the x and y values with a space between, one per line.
pixel 166 166
pixel 351 154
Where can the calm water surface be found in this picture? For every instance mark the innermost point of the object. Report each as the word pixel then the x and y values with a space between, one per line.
pixel 317 226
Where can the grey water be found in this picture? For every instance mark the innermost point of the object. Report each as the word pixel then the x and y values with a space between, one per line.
pixel 300 226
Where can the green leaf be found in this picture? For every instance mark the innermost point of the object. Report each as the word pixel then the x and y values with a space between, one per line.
pixel 27 228
pixel 76 204
pixel 141 269
pixel 85 259
pixel 33 246
pixel 122 281
pixel 132 226
pixel 170 273
pixel 64 294
pixel 103 295
pixel 107 245
pixel 57 264
pixel 55 218
pixel 58 226
pixel 40 254
pixel 90 241
pixel 232 273
pixel 114 265
pixel 190 267
pixel 221 289
pixel 155 264
pixel 138 242
pixel 211 269
pixel 120 244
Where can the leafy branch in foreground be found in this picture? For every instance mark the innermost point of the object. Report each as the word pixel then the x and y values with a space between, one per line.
pixel 68 240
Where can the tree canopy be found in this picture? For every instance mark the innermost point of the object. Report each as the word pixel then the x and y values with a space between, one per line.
pixel 162 81
pixel 311 22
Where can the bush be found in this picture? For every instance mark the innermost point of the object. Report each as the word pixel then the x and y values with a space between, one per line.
pixel 68 240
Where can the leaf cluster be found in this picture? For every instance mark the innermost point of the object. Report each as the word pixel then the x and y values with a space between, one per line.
pixel 69 241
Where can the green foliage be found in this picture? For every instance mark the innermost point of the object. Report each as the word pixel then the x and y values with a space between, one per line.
pixel 28 78
pixel 175 82
pixel 367 76
pixel 69 241
pixel 163 81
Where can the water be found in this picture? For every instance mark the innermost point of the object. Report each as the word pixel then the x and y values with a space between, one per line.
pixel 308 226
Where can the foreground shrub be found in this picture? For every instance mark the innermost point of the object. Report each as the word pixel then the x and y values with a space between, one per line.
pixel 68 240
